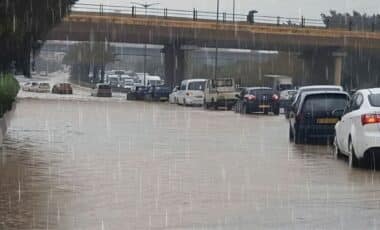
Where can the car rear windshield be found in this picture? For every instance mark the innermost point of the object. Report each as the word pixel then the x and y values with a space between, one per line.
pixel 261 91
pixel 325 103
pixel 198 85
pixel 104 87
pixel 374 100
pixel 222 83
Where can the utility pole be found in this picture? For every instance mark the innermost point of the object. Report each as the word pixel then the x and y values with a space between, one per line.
pixel 233 11
pixel 145 6
pixel 216 41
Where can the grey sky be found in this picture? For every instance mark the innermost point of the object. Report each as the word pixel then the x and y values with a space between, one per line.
pixel 285 8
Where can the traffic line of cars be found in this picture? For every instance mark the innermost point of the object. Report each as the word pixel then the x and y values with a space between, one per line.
pixel 215 93
pixel 44 87
pixel 351 123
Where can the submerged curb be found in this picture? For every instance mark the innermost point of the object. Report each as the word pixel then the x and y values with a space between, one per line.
pixel 5 122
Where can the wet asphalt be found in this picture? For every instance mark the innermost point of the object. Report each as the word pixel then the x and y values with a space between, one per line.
pixel 76 164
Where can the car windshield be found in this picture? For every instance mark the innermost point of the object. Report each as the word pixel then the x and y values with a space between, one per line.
pixel 198 85
pixel 222 83
pixel 374 100
pixel 324 103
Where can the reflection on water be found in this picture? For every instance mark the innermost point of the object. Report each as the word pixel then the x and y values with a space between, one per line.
pixel 123 165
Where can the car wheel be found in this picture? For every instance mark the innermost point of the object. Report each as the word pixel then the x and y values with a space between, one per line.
pixel 276 111
pixel 353 162
pixel 299 138
pixel 214 104
pixel 336 151
pixel 291 134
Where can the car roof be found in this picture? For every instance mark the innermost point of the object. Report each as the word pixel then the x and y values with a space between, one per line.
pixel 371 90
pixel 194 80
pixel 320 86
pixel 256 88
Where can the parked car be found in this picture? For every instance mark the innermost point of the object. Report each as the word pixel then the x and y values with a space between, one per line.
pixel 220 92
pixel 358 132
pixel 30 86
pixel 102 90
pixel 173 95
pixel 316 114
pixel 62 88
pixel 258 99
pixel 191 92
pixel 157 93
pixel 127 85
pixel 138 93
pixel 312 88
pixel 43 87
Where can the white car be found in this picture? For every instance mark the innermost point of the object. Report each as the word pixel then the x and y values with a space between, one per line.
pixel 358 131
pixel 43 87
pixel 191 92
pixel 173 95
pixel 28 86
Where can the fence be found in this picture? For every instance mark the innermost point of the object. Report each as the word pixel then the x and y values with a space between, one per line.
pixel 222 17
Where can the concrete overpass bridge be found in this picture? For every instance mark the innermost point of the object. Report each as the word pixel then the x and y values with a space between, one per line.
pixel 322 49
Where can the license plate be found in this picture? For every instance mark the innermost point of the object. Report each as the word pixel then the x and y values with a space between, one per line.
pixel 264 106
pixel 327 121
pixel 163 98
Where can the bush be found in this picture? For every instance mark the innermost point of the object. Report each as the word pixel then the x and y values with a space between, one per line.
pixel 9 88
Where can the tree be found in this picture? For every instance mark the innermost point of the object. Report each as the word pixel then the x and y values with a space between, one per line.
pixel 86 56
pixel 24 25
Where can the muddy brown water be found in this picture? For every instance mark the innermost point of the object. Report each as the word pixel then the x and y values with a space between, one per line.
pixel 131 165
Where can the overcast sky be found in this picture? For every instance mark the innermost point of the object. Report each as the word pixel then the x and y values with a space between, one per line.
pixel 285 8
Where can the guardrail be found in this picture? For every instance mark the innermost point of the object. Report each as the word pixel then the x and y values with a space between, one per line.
pixel 222 17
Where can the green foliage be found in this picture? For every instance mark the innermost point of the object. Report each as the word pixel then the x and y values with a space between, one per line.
pixel 9 88
pixel 354 21
pixel 24 24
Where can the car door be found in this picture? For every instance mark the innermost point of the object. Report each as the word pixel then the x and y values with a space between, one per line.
pixel 344 126
pixel 181 92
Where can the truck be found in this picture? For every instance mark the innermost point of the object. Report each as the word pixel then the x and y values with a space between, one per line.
pixel 220 92
pixel 279 82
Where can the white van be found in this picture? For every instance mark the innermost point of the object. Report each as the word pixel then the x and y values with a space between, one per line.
pixel 191 92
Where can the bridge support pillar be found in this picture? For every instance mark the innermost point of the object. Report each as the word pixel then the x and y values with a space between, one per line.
pixel 174 64
pixel 322 67
pixel 338 56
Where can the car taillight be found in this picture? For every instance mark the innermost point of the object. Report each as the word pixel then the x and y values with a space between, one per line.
pixel 250 97
pixel 370 119
pixel 275 97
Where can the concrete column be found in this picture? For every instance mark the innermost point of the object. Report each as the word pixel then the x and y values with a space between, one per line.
pixel 338 65
pixel 174 64
pixel 319 67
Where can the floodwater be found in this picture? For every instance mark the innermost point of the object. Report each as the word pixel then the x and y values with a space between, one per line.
pixel 135 165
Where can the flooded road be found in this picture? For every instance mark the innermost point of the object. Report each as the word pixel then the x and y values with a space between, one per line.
pixel 130 165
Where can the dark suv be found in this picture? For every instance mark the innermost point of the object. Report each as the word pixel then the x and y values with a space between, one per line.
pixel 316 115
pixel 258 99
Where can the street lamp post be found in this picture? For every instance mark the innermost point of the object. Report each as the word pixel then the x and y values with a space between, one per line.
pixel 145 6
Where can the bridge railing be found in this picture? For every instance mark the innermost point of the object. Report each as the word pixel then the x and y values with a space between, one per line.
pixel 222 17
